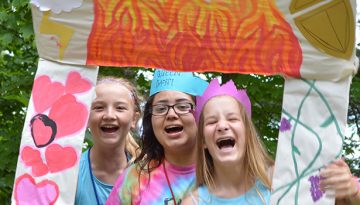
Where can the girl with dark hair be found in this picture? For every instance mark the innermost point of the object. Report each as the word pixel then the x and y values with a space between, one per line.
pixel 165 170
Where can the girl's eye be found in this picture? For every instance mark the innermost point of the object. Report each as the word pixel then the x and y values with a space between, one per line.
pixel 121 108
pixel 97 108
pixel 211 122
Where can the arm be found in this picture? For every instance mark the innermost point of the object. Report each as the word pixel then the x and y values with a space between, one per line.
pixel 337 176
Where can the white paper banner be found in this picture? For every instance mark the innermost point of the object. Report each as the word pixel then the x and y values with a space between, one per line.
pixel 311 134
pixel 53 134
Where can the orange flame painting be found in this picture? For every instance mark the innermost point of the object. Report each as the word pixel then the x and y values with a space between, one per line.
pixel 247 36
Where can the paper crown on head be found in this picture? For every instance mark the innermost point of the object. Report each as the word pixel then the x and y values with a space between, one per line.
pixel 214 89
pixel 179 81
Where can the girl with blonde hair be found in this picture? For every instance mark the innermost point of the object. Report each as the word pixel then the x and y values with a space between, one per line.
pixel 114 113
pixel 233 166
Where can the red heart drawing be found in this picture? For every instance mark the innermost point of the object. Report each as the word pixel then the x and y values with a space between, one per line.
pixel 45 93
pixel 43 130
pixel 27 191
pixel 69 115
pixel 76 84
pixel 32 158
pixel 59 158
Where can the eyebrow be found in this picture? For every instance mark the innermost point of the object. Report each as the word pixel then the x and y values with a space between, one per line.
pixel 95 102
pixel 209 117
pixel 176 101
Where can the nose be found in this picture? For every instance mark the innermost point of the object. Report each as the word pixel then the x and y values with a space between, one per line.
pixel 222 126
pixel 109 114
pixel 171 113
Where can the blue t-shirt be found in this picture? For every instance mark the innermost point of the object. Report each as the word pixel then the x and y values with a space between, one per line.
pixel 85 194
pixel 251 197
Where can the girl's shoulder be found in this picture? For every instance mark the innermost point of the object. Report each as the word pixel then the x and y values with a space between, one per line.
pixel 257 194
pixel 191 198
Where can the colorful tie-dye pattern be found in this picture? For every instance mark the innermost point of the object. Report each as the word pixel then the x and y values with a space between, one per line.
pixel 130 189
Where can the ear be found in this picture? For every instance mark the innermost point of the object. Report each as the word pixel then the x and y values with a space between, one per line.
pixel 134 120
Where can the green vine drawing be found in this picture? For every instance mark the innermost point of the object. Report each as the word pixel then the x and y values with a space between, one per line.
pixel 295 120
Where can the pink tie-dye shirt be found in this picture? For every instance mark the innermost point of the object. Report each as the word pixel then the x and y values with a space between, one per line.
pixel 130 189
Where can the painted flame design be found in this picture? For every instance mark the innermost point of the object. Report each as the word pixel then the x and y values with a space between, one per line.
pixel 248 36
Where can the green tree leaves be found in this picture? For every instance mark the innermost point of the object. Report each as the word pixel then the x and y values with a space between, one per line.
pixel 18 61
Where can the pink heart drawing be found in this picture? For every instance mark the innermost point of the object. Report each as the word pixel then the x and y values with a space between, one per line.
pixel 45 93
pixel 69 115
pixel 43 130
pixel 32 158
pixel 59 158
pixel 27 191
pixel 76 84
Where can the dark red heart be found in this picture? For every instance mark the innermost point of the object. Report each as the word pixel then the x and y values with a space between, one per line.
pixel 43 130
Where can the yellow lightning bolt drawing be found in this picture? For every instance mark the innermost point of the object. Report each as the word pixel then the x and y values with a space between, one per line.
pixel 63 32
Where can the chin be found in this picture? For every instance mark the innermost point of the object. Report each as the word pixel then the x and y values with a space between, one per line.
pixel 228 160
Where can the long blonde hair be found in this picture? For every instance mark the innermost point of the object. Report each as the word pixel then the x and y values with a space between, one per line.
pixel 131 146
pixel 256 159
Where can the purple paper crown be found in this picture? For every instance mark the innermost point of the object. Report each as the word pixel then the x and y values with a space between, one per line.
pixel 214 89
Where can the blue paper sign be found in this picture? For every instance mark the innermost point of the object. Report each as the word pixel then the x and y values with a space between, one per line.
pixel 179 81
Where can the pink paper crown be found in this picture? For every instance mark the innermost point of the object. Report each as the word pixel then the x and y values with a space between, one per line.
pixel 214 89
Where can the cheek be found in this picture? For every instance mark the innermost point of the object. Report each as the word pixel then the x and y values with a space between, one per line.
pixel 208 131
pixel 156 125
pixel 126 117
pixel 93 119
pixel 154 122
pixel 191 129
pixel 190 122
pixel 127 122
pixel 242 133
pixel 208 135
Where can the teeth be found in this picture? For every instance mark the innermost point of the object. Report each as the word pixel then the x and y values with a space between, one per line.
pixel 172 126
pixel 109 126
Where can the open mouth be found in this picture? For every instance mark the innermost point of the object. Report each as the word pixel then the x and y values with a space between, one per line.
pixel 173 129
pixel 225 143
pixel 109 128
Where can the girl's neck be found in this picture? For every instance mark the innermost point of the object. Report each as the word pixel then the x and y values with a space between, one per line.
pixel 107 164
pixel 111 155
pixel 229 181
pixel 185 158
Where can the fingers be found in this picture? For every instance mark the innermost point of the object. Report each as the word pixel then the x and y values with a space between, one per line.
pixel 334 171
pixel 337 177
pixel 340 163
pixel 341 190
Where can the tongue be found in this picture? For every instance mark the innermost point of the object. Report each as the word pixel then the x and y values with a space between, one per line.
pixel 174 130
pixel 226 146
